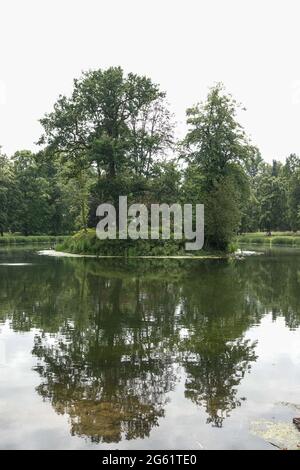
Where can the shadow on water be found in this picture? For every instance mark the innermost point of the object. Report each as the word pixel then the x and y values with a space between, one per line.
pixel 112 337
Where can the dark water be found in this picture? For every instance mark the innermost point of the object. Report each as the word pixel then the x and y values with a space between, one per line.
pixel 168 354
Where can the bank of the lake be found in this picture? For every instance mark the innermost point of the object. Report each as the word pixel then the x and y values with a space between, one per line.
pixel 87 243
pixel 30 239
pixel 276 239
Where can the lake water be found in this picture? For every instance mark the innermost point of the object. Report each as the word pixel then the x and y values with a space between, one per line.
pixel 147 354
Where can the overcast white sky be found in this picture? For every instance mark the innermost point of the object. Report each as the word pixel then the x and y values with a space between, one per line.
pixel 253 46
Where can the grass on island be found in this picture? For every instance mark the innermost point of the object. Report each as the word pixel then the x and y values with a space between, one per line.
pixel 12 239
pixel 87 243
pixel 276 238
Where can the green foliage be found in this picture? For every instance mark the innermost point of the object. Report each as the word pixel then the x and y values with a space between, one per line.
pixel 37 197
pixel 294 199
pixel 216 150
pixel 275 197
pixel 113 126
pixel 222 214
pixel 272 194
pixel 6 177
pixel 215 138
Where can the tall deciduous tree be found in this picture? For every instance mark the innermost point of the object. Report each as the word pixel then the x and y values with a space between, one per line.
pixel 114 123
pixel 217 148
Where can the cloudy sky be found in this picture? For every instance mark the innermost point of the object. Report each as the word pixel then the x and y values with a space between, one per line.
pixel 185 45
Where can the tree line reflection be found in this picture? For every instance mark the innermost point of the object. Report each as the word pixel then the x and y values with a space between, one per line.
pixel 112 339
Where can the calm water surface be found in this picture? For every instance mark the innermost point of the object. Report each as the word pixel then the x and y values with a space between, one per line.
pixel 146 354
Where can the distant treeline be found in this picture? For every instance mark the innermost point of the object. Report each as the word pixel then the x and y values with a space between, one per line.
pixel 115 136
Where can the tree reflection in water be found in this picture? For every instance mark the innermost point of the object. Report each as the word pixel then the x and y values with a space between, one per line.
pixel 111 339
